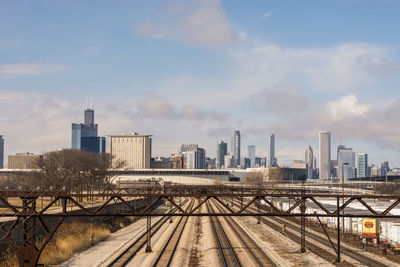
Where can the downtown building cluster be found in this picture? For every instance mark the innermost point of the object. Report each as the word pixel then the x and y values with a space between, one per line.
pixel 134 151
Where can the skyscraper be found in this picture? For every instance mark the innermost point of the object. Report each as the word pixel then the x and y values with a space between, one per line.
pixel 272 162
pixel 309 155
pixel 1 152
pixel 384 168
pixel 251 154
pixel 235 148
pixel 195 159
pixel 346 161
pixel 324 155
pixel 222 150
pixel 84 135
pixel 362 165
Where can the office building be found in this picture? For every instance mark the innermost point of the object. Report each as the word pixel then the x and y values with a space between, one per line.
pixel 195 159
pixel 133 150
pixel 191 147
pixel 300 164
pixel 1 152
pixel 272 161
pixel 222 150
pixel 258 162
pixel 324 155
pixel 346 164
pixel 384 168
pixel 244 163
pixel 235 148
pixel 362 165
pixel 85 135
pixel 263 162
pixel 24 161
pixel 309 157
pixel 229 161
pixel 251 154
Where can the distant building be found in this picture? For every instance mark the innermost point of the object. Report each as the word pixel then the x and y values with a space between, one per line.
pixel 1 152
pixel 179 162
pixel 300 164
pixel 222 150
pixel 384 168
pixel 339 147
pixel 324 155
pixel 132 149
pixel 263 162
pixel 362 165
pixel 85 135
pixel 211 163
pixel 375 171
pixel 24 161
pixel 257 161
pixel 235 147
pixel 244 163
pixel 272 161
pixel 251 154
pixel 229 162
pixel 192 147
pixel 346 162
pixel 309 157
pixel 195 159
pixel 161 163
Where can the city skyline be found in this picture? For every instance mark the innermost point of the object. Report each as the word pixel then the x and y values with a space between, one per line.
pixel 249 76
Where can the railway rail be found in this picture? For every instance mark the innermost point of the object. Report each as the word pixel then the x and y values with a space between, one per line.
pixel 227 254
pixel 256 252
pixel 127 254
pixel 275 223
pixel 168 251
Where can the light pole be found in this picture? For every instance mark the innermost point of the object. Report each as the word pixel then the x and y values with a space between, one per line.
pixel 344 163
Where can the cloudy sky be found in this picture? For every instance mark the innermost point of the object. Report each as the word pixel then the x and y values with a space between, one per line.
pixel 194 71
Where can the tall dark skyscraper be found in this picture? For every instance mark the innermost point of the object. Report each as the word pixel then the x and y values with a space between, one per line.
pixel 222 150
pixel 272 161
pixel 85 135
pixel 1 152
pixel 235 147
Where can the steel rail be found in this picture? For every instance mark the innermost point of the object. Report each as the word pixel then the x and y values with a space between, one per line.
pixel 228 255
pixel 315 248
pixel 125 256
pixel 168 251
pixel 251 246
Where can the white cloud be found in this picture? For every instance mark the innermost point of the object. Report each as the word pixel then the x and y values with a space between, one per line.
pixel 9 70
pixel 341 67
pixel 279 99
pixel 347 106
pixel 267 15
pixel 202 22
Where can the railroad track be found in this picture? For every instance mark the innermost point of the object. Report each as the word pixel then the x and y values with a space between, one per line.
pixel 127 254
pixel 311 246
pixel 227 254
pixel 168 251
pixel 256 252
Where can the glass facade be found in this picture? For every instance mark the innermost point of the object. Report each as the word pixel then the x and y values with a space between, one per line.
pixel 251 154
pixel 222 150
pixel 346 161
pixel 362 165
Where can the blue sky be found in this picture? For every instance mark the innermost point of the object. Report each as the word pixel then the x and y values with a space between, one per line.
pixel 193 71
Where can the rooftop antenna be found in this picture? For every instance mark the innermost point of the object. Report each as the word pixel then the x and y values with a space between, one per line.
pixel 87 102
pixel 91 103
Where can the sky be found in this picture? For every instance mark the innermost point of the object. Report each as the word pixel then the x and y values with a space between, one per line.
pixel 193 71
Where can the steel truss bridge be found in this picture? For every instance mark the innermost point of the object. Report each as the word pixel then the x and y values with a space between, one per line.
pixel 26 217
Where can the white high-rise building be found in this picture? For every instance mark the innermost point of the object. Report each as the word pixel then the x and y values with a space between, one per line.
pixel 251 154
pixel 272 161
pixel 324 155
pixel 309 157
pixel 132 149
